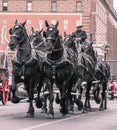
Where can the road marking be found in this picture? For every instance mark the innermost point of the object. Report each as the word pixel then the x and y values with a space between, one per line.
pixel 57 121
pixel 49 123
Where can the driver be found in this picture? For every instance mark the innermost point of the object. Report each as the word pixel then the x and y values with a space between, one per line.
pixel 80 35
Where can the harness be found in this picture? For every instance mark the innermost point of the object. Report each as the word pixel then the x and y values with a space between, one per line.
pixel 59 61
pixel 30 61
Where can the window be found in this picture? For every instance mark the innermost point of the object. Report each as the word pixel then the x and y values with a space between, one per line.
pixel 53 6
pixel 29 6
pixel 53 22
pixel 78 6
pixel 65 24
pixel 78 22
pixel 5 6
pixel 41 24
pixel 4 23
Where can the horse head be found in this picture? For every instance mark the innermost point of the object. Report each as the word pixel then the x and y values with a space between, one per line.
pixel 52 37
pixel 89 49
pixel 18 33
pixel 36 37
pixel 69 42
pixel 68 39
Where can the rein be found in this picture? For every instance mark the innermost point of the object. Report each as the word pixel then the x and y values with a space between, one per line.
pixel 23 48
pixel 53 50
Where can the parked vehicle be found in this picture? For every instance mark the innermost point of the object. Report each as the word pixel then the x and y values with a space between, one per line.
pixel 112 89
pixel 4 87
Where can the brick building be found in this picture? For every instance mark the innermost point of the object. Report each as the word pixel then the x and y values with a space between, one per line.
pixel 97 16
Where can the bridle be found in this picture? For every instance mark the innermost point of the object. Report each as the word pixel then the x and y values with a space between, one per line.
pixel 68 40
pixel 22 37
pixel 54 39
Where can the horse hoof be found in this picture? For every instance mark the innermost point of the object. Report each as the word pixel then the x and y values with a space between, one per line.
pixel 15 100
pixel 80 108
pixel 101 109
pixel 39 103
pixel 57 100
pixel 64 111
pixel 51 114
pixel 97 100
pixel 44 110
pixel 71 108
pixel 79 103
pixel 30 115
pixel 84 112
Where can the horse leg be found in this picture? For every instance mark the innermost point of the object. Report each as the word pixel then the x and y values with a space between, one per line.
pixel 72 98
pixel 78 101
pixel 44 107
pixel 96 92
pixel 87 105
pixel 14 98
pixel 30 90
pixel 51 99
pixel 57 99
pixel 38 99
pixel 103 94
pixel 70 102
pixel 63 103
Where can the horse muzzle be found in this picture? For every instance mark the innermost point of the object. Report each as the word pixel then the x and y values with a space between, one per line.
pixel 12 47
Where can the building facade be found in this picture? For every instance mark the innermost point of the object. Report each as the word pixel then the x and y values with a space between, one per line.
pixel 97 16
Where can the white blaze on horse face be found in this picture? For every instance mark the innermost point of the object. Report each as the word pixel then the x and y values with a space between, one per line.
pixel 50 29
pixel 16 26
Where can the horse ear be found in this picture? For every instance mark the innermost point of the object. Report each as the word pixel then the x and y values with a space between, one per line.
pixel 91 43
pixel 56 24
pixel 44 34
pixel 32 29
pixel 65 34
pixel 41 31
pixel 46 23
pixel 10 31
pixel 16 22
pixel 24 23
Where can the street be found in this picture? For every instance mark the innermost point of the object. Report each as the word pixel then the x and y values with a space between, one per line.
pixel 13 117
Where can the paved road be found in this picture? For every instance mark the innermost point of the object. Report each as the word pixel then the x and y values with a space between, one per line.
pixel 13 117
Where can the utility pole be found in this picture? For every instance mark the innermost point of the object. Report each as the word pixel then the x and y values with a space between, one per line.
pixel 106 49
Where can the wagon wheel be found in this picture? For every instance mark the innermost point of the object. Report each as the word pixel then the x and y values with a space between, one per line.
pixel 5 91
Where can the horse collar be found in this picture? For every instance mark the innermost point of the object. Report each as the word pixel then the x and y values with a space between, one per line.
pixel 59 61
pixel 27 60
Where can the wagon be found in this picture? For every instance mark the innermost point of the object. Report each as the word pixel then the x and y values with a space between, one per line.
pixel 4 87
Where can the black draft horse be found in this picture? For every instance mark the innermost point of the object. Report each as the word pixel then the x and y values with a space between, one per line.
pixel 59 67
pixel 102 74
pixel 71 45
pixel 26 65
pixel 89 50
pixel 38 43
pixel 37 40
pixel 85 71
